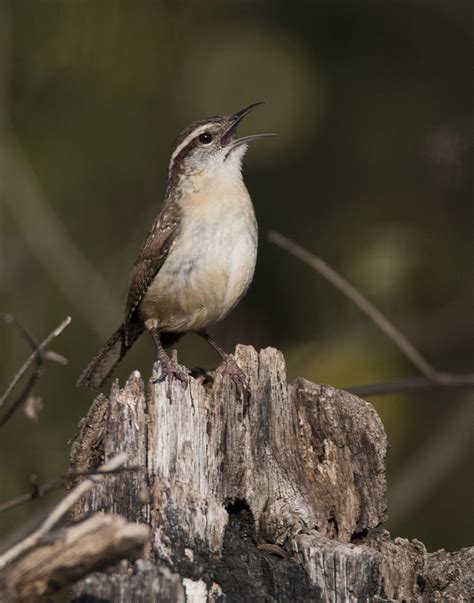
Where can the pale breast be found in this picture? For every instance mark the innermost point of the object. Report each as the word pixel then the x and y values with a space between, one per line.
pixel 209 268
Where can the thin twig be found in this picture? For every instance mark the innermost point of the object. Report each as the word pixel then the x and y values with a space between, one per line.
pixel 55 357
pixel 35 375
pixel 33 494
pixel 41 490
pixel 36 357
pixel 431 379
pixel 9 411
pixel 340 283
pixel 60 510
pixel 9 319
pixel 444 380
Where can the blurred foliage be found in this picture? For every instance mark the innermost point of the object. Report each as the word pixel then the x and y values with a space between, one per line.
pixel 373 104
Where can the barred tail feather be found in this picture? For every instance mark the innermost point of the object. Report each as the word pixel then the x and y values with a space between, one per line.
pixel 102 365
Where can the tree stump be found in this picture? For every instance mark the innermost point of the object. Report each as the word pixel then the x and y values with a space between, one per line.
pixel 278 497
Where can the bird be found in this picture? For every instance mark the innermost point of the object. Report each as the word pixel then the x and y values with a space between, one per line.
pixel 199 256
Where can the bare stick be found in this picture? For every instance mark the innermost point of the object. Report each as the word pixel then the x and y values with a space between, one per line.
pixel 60 510
pixel 47 354
pixel 39 350
pixel 443 380
pixel 340 283
pixel 35 375
pixel 72 553
pixel 11 320
pixel 37 491
pixel 41 490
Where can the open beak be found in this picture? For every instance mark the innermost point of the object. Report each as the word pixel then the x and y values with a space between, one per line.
pixel 228 138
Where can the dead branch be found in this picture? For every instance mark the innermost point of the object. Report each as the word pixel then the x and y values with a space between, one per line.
pixel 71 554
pixel 25 393
pixel 59 511
pixel 41 348
pixel 36 491
pixel 41 490
pixel 40 353
pixel 432 379
pixel 444 381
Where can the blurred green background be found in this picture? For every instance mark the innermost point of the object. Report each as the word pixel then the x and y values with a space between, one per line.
pixel 372 171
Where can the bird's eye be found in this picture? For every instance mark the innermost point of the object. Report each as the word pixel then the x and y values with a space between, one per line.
pixel 205 138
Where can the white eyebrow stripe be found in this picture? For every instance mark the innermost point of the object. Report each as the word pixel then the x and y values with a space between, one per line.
pixel 186 141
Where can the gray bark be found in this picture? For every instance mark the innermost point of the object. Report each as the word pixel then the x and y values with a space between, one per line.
pixel 275 498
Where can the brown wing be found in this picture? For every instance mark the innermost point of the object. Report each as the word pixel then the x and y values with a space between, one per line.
pixel 158 244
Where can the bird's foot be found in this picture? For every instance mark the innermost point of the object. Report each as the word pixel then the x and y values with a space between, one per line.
pixel 230 367
pixel 170 369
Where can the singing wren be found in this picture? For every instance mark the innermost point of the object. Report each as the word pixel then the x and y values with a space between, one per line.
pixel 199 257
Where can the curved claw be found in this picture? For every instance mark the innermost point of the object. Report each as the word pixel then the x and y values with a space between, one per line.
pixel 230 367
pixel 180 375
pixel 167 370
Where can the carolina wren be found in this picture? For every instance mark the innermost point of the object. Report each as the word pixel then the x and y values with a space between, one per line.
pixel 199 257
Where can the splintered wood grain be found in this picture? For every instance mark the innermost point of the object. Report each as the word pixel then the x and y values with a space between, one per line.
pixel 301 456
pixel 298 468
pixel 342 459
pixel 121 422
pixel 70 554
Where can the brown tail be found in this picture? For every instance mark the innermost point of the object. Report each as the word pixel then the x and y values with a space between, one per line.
pixel 101 366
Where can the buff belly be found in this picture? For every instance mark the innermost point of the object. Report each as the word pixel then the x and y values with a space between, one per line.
pixel 206 273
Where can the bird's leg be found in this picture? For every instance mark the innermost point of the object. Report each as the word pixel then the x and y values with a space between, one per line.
pixel 229 366
pixel 167 368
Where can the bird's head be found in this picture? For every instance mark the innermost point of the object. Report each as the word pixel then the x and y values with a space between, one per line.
pixel 209 148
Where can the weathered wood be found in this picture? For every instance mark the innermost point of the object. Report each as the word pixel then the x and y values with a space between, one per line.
pixel 275 498
pixel 70 554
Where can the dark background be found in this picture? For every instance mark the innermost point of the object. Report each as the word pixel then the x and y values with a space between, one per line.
pixel 372 171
